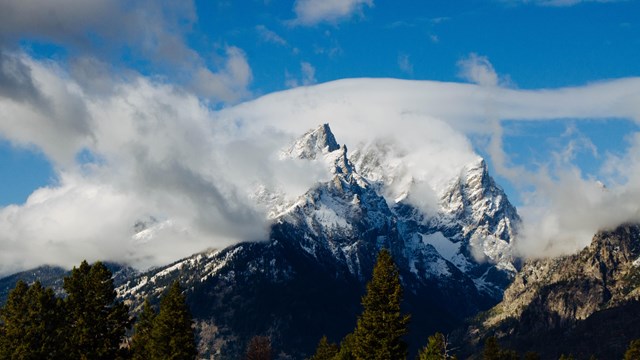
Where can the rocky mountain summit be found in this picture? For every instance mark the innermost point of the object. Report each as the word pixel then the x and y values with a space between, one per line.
pixel 306 280
pixel 585 304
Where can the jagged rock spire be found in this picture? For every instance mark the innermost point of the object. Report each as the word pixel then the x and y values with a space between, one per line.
pixel 318 141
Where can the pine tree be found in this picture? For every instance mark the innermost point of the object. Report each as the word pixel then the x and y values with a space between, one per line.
pixel 142 340
pixel 531 356
pixel 493 351
pixel 31 322
pixel 259 348
pixel 173 336
pixel 633 351
pixel 382 325
pixel 437 348
pixel 346 348
pixel 96 323
pixel 325 350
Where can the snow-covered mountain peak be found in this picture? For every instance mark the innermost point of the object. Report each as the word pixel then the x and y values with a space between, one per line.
pixel 311 145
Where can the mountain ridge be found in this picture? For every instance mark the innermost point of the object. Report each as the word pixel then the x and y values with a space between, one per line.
pixel 571 304
pixel 310 273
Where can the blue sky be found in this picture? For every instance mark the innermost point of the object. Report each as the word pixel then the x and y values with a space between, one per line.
pixel 554 96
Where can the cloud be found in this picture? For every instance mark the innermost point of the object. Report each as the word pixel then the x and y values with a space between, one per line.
pixel 307 73
pixel 230 83
pixel 478 70
pixel 270 36
pixel 155 152
pixel 312 12
pixel 153 29
pixel 159 151
pixel 147 31
pixel 404 63
pixel 562 208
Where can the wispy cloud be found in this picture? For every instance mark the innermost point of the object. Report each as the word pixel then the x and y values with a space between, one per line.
pixel 230 82
pixel 270 36
pixel 478 70
pixel 307 76
pixel 312 12
pixel 404 63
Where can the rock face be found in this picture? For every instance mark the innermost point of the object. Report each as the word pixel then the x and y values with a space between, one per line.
pixel 585 304
pixel 306 280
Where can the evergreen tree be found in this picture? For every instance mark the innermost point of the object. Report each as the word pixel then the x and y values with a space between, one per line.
pixel 437 348
pixel 531 356
pixel 173 336
pixel 633 351
pixel 346 348
pixel 259 348
pixel 493 351
pixel 142 340
pixel 325 350
pixel 31 322
pixel 96 323
pixel 381 326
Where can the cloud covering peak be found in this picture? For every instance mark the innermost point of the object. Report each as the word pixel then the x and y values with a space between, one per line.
pixel 144 149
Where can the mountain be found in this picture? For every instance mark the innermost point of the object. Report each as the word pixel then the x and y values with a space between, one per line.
pixel 474 222
pixel 584 304
pixel 53 277
pixel 307 278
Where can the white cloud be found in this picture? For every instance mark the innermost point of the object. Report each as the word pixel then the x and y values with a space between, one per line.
pixel 154 29
pixel 308 73
pixel 312 12
pixel 149 30
pixel 270 36
pixel 230 83
pixel 307 76
pixel 404 63
pixel 163 153
pixel 477 69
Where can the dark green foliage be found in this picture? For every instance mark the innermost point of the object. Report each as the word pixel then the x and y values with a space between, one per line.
pixel 325 350
pixel 141 342
pixel 531 356
pixel 173 336
pixel 437 348
pixel 346 348
pixel 565 357
pixel 31 321
pixel 382 325
pixel 96 322
pixel 633 351
pixel 259 348
pixel 493 351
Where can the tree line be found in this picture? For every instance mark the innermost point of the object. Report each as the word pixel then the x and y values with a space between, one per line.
pixel 89 323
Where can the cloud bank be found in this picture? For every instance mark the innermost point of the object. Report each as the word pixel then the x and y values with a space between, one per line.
pixel 142 154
